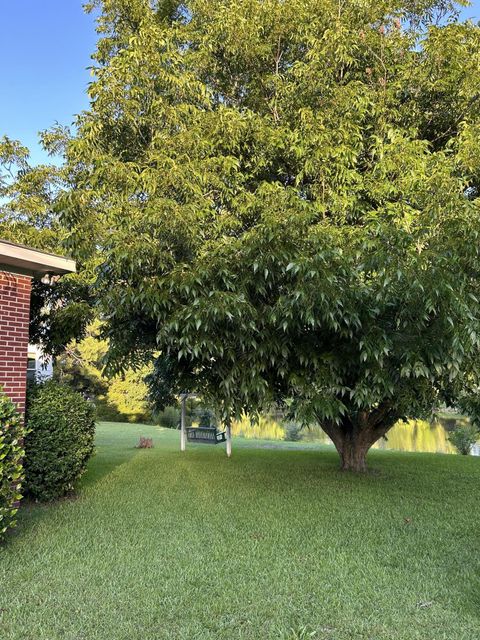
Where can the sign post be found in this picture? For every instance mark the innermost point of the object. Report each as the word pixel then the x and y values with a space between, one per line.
pixel 229 436
pixel 183 420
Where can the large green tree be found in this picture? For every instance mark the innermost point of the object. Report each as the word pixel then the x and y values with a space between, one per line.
pixel 284 197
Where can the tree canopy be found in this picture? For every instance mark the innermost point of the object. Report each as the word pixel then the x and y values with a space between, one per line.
pixel 282 198
pixel 60 309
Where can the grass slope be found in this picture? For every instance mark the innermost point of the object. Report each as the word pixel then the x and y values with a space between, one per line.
pixel 273 544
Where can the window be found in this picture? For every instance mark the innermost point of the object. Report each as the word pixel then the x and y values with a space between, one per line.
pixel 31 368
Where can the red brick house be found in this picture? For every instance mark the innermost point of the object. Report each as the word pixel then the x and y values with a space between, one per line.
pixel 18 266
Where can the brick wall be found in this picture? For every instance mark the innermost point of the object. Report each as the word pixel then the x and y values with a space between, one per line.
pixel 14 318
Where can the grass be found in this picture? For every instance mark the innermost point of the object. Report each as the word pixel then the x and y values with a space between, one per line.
pixel 273 544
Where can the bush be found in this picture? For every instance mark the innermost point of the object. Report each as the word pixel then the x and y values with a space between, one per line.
pixel 60 439
pixel 464 437
pixel 169 418
pixel 293 432
pixel 206 418
pixel 11 455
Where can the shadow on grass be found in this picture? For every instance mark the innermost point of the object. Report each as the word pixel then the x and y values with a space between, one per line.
pixel 32 512
pixel 106 460
pixel 116 445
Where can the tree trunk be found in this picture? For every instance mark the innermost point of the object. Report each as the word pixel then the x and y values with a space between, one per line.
pixel 353 455
pixel 354 435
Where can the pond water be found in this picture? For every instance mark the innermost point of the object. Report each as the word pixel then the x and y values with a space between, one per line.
pixel 475 451
pixel 414 435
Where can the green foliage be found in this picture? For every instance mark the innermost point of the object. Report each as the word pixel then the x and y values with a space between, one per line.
pixel 128 394
pixel 469 405
pixel 206 418
pixel 11 455
pixel 27 196
pixel 169 417
pixel 418 435
pixel 463 437
pixel 261 427
pixel 122 397
pixel 286 199
pixel 161 384
pixel 60 309
pixel 59 442
pixel 293 432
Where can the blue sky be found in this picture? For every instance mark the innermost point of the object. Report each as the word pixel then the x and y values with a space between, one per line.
pixel 45 49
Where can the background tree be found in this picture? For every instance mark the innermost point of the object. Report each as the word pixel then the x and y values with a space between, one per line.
pixel 121 398
pixel 284 198
pixel 463 437
pixel 60 309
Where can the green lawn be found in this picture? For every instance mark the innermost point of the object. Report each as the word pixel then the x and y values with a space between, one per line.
pixel 272 544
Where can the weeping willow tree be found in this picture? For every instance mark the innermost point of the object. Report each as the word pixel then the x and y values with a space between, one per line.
pixel 283 201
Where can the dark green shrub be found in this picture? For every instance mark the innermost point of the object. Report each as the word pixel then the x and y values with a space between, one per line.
pixel 206 418
pixel 107 413
pixel 463 437
pixel 169 417
pixel 60 439
pixel 11 454
pixel 293 432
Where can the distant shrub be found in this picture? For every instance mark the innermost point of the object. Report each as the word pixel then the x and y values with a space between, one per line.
pixel 60 439
pixel 206 418
pixel 107 413
pixel 169 418
pixel 293 432
pixel 463 437
pixel 11 454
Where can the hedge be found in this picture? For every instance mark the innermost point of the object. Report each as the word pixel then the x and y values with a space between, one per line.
pixel 60 439
pixel 11 455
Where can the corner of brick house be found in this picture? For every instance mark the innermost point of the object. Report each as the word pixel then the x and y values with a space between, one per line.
pixel 19 265
pixel 14 321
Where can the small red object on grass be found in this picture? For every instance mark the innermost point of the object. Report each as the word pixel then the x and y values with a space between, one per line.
pixel 145 443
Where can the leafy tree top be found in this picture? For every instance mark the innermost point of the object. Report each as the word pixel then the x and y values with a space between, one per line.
pixel 283 198
pixel 60 309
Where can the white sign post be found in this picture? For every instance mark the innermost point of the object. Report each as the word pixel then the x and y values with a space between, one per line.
pixel 183 420
pixel 229 437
